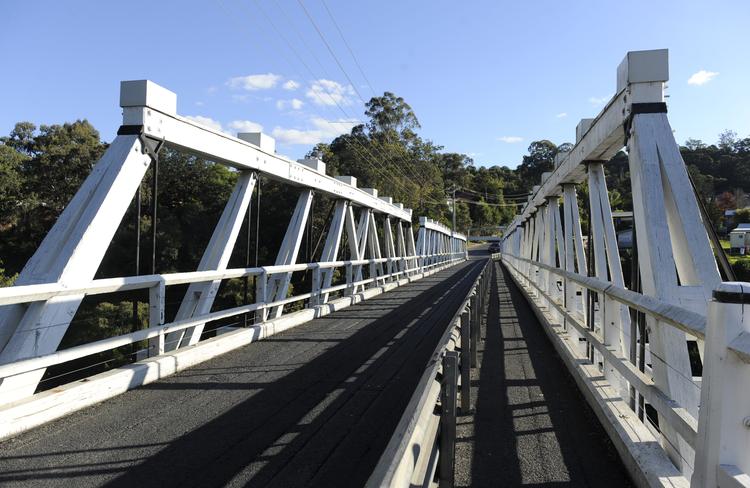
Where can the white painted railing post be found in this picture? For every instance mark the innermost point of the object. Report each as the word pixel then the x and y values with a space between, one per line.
pixel 317 279
pixel 261 292
pixel 156 316
pixel 349 280
pixel 723 450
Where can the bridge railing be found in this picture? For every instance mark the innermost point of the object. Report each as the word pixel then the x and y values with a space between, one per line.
pixel 726 363
pixel 663 361
pixel 157 331
pixel 422 446
pixel 39 310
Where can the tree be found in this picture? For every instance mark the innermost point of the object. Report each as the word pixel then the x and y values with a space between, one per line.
pixel 742 216
pixel 727 139
pixel 391 113
pixel 539 160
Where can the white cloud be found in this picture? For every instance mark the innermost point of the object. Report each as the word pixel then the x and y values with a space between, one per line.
pixel 597 100
pixel 702 77
pixel 322 130
pixel 245 126
pixel 561 115
pixel 290 85
pixel 327 92
pixel 199 104
pixel 207 121
pixel 254 82
pixel 294 104
pixel 510 139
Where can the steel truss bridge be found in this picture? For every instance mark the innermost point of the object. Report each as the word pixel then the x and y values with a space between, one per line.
pixel 415 362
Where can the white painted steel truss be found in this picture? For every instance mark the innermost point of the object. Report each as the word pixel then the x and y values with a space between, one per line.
pixel 36 312
pixel 576 284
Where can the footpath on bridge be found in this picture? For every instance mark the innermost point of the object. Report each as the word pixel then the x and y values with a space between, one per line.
pixel 313 406
pixel 530 425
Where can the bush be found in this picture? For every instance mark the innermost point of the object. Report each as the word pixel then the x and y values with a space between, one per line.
pixel 741 270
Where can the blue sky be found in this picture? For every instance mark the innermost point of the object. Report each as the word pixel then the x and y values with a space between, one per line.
pixel 484 77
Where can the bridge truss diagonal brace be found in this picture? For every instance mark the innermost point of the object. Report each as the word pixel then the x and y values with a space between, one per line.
pixel 356 236
pixel 70 254
pixel 401 247
pixel 614 317
pixel 373 245
pixel 675 257
pixel 333 241
pixel 278 285
pixel 390 245
pixel 200 296
pixel 411 248
pixel 575 257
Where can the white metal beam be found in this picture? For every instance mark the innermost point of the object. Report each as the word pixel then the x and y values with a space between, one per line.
pixel 160 121
pixel 200 296
pixel 279 285
pixel 70 254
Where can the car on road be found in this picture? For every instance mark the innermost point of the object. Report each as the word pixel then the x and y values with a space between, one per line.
pixel 494 247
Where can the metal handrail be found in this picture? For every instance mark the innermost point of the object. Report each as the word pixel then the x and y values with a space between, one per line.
pixel 140 282
pixel 425 396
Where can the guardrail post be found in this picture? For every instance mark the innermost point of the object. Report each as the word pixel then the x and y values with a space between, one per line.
pixel 466 348
pixel 448 419
pixel 316 298
pixel 349 280
pixel 261 289
pixel 156 317
pixel 474 304
pixel 724 417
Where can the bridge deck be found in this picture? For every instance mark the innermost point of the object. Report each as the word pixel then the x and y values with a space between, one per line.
pixel 314 406
pixel 531 425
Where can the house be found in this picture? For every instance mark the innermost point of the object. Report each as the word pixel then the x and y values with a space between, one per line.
pixel 739 239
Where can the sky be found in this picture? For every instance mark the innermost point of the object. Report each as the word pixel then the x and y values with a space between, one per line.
pixel 485 78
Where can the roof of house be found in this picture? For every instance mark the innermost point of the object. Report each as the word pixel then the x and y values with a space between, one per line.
pixel 742 227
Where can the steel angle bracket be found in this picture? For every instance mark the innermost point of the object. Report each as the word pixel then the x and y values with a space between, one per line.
pixel 151 145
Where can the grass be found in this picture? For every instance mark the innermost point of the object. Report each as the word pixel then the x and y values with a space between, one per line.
pixel 733 258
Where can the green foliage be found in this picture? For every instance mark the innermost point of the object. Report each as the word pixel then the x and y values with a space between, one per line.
pixel 742 216
pixel 741 270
